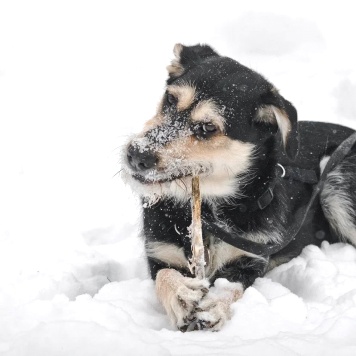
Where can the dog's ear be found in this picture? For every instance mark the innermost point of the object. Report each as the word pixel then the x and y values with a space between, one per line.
pixel 278 111
pixel 187 57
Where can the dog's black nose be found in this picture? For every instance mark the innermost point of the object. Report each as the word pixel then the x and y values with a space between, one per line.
pixel 141 160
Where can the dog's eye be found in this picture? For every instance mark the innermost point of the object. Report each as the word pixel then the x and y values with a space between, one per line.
pixel 171 99
pixel 208 127
pixel 204 130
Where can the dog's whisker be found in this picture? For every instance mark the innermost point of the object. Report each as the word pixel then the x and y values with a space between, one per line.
pixel 185 186
pixel 118 172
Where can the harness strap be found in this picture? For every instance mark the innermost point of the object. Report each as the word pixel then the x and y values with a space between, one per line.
pixel 302 175
pixel 308 176
pixel 236 239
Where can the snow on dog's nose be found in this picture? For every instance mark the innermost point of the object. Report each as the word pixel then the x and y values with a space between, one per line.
pixel 140 160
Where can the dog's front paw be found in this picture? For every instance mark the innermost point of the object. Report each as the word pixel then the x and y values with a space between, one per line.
pixel 189 294
pixel 215 309
pixel 212 313
pixel 180 296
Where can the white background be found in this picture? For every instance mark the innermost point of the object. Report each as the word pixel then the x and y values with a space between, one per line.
pixel 76 79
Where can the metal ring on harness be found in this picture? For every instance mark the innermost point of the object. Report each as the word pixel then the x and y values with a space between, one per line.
pixel 283 170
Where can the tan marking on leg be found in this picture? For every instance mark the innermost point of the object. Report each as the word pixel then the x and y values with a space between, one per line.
pixel 222 253
pixel 168 253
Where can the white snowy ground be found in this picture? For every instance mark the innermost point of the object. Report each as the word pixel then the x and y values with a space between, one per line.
pixel 76 78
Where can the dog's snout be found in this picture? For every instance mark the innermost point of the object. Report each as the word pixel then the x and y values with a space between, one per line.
pixel 141 160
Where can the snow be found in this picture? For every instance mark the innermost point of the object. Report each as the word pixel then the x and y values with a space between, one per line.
pixel 79 77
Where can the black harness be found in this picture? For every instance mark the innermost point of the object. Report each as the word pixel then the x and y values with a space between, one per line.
pixel 266 198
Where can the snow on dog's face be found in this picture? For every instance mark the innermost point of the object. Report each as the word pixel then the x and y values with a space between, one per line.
pixel 211 122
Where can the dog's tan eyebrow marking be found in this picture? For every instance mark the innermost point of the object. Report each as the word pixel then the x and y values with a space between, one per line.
pixel 208 111
pixel 185 95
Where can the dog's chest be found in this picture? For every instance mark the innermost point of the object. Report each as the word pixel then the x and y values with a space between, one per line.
pixel 166 229
pixel 218 254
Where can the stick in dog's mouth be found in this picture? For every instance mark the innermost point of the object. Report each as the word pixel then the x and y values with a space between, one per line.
pixel 197 263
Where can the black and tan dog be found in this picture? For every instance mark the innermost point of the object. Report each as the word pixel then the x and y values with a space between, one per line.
pixel 226 123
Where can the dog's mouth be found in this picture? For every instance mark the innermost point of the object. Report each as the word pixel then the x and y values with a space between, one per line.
pixel 145 180
pixel 160 177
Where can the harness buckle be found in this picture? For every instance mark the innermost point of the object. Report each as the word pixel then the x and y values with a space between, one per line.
pixel 265 199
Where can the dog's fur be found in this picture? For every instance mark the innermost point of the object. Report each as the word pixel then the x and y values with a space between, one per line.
pixel 226 123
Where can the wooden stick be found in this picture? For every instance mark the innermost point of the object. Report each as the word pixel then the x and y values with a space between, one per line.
pixel 197 262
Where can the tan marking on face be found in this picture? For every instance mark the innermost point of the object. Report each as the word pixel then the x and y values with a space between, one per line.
pixel 217 160
pixel 175 151
pixel 185 95
pixel 208 111
pixel 219 149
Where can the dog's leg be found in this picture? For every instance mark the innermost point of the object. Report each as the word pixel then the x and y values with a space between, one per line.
pixel 230 282
pixel 338 199
pixel 180 295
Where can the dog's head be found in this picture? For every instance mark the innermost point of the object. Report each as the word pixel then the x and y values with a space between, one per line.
pixel 215 116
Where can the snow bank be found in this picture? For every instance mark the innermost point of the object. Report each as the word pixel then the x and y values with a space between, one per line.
pixel 76 79
pixel 307 306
